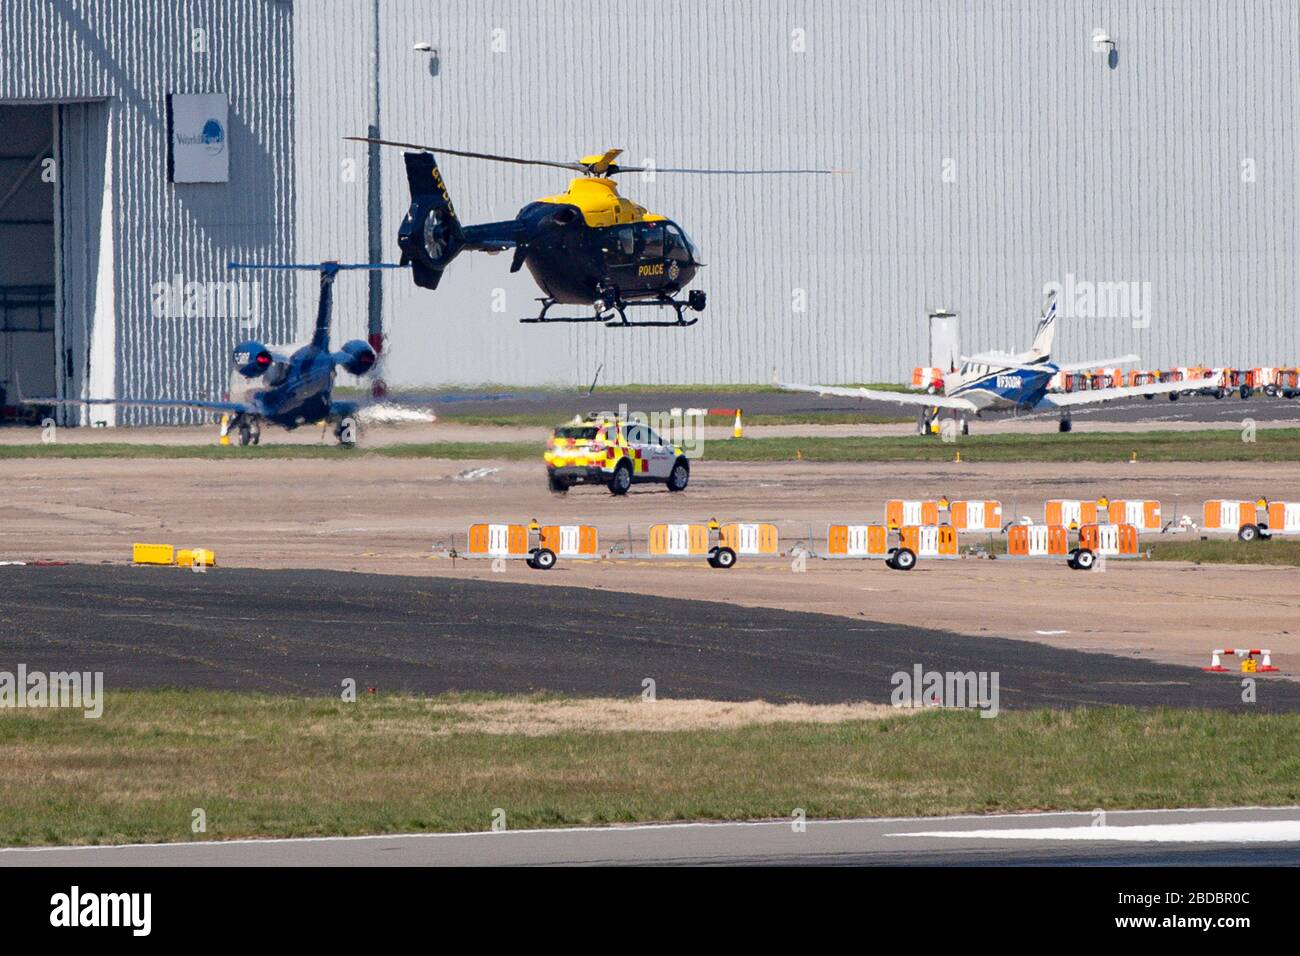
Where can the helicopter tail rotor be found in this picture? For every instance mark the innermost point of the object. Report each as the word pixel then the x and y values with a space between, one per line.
pixel 430 235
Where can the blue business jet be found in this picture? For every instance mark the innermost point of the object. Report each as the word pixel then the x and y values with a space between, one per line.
pixel 295 389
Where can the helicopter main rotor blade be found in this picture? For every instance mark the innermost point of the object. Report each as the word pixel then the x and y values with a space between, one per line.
pixel 732 172
pixel 576 167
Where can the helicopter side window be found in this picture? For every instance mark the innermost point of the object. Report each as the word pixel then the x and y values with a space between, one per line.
pixel 652 241
pixel 675 245
pixel 620 245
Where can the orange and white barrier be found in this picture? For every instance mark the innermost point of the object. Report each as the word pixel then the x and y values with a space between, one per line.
pixel 1227 515
pixel 1109 540
pixel 749 539
pixel 927 379
pixel 498 540
pixel 1037 540
pixel 1143 515
pixel 679 540
pixel 1259 377
pixel 1070 514
pixel 976 515
pixel 1284 517
pixel 569 540
pixel 1247 656
pixel 1106 378
pixel 857 541
pixel 900 513
pixel 929 541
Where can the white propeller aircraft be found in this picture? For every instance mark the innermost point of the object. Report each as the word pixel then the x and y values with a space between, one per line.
pixel 1001 382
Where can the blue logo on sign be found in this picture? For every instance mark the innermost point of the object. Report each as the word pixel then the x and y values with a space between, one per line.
pixel 214 137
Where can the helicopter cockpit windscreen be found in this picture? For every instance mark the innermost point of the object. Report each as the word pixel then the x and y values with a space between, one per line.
pixel 679 245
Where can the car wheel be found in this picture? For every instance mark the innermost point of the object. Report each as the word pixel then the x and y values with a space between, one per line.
pixel 679 476
pixel 904 559
pixel 1246 391
pixel 1248 532
pixel 1084 560
pixel 1173 396
pixel 543 559
pixel 723 558
pixel 557 485
pixel 622 480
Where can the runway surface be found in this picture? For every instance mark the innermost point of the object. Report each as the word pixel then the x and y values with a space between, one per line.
pixel 305 631
pixel 1227 837
pixel 564 403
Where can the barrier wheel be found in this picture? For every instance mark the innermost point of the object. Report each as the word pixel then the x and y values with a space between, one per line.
pixel 904 559
pixel 1246 391
pixel 723 558
pixel 622 480
pixel 1084 560
pixel 1248 532
pixel 543 559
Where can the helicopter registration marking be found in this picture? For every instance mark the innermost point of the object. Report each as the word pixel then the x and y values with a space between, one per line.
pixel 652 270
pixel 442 188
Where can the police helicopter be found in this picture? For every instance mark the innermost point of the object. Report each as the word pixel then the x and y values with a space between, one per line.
pixel 585 246
pixel 286 390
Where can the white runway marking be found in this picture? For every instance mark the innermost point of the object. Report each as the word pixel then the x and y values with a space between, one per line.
pixel 1245 831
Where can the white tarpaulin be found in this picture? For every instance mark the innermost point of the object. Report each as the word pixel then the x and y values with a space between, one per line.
pixel 199 148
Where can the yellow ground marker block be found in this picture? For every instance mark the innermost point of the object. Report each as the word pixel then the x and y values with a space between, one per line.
pixel 189 557
pixel 153 554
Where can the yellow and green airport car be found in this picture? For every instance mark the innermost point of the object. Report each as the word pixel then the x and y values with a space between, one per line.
pixel 613 453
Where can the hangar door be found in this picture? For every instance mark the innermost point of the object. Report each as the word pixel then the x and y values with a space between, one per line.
pixel 28 351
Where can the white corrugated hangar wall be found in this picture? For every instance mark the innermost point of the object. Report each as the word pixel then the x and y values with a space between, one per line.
pixel 994 147
pixel 97 74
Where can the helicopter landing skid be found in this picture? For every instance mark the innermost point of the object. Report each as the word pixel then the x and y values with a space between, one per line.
pixel 621 321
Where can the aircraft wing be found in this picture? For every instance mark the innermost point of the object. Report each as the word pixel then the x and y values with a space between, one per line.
pixel 1096 363
pixel 877 395
pixel 233 408
pixel 1096 395
pixel 998 360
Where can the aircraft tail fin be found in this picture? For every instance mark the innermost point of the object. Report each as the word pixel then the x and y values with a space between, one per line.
pixel 430 236
pixel 1041 349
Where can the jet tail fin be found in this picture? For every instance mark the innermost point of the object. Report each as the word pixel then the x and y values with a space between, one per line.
pixel 430 236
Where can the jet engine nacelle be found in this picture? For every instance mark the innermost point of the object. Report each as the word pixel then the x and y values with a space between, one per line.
pixel 356 357
pixel 252 358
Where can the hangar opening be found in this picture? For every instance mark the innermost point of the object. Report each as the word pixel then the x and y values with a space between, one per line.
pixel 28 313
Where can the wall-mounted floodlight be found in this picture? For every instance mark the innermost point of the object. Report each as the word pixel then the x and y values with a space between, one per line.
pixel 1103 42
pixel 435 61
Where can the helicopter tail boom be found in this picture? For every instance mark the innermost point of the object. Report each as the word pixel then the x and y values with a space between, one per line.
pixel 431 234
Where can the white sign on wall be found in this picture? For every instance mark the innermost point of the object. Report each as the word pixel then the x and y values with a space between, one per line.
pixel 199 132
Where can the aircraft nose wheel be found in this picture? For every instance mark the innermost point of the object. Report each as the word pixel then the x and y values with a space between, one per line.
pixel 1065 426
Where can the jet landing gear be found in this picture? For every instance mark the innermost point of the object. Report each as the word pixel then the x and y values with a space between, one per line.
pixel 1065 424
pixel 345 431
pixel 611 309
pixel 247 431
